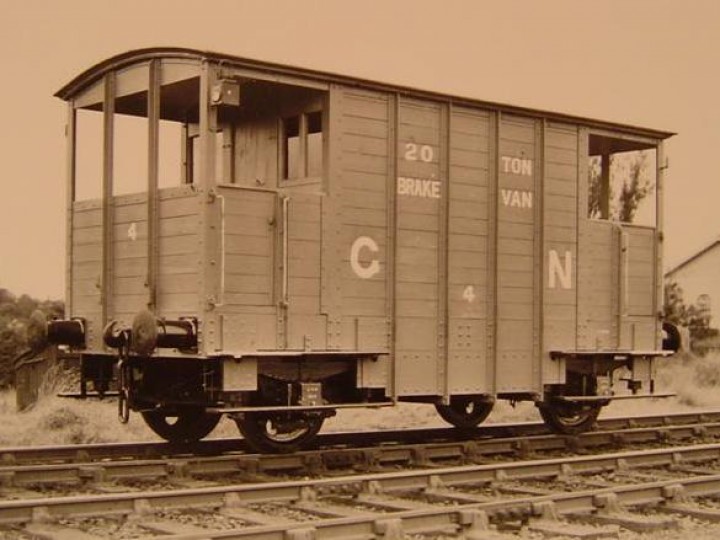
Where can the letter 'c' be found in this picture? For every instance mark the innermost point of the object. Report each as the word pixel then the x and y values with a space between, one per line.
pixel 364 271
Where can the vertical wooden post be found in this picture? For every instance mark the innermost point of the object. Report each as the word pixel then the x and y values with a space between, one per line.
pixel 303 154
pixel 492 258
pixel 70 141
pixel 582 335
pixel 391 238
pixel 443 254
pixel 106 297
pixel 539 251
pixel 153 106
pixel 659 239
pixel 210 244
pixel 605 186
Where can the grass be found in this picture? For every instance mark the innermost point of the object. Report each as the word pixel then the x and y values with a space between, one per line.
pixel 54 420
pixel 696 380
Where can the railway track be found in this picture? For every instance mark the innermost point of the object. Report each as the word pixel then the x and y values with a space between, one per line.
pixel 582 496
pixel 504 434
pixel 455 486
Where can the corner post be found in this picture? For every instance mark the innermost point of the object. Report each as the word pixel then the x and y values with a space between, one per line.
pixel 153 107
pixel 70 130
pixel 210 244
pixel 107 199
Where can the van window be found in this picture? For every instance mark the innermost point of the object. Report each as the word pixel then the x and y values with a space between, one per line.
pixel 622 181
pixel 302 146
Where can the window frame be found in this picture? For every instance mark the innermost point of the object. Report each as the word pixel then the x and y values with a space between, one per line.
pixel 618 144
pixel 303 157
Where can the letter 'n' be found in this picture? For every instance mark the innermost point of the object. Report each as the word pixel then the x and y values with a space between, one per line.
pixel 558 271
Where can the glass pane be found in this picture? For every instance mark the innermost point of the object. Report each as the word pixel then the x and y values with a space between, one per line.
pixel 88 154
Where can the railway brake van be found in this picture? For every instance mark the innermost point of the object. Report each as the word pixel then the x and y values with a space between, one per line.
pixel 274 244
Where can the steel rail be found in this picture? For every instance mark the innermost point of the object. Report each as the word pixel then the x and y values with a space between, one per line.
pixel 471 518
pixel 179 467
pixel 429 453
pixel 239 496
pixel 149 450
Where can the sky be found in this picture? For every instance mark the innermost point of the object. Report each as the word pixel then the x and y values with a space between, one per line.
pixel 653 63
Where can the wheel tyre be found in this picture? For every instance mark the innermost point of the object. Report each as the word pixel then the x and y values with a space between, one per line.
pixel 190 426
pixel 254 428
pixel 465 412
pixel 568 419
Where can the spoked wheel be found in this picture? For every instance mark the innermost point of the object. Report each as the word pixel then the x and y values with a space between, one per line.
pixel 279 432
pixel 184 426
pixel 569 418
pixel 465 412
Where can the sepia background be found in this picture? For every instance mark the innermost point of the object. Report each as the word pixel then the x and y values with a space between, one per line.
pixel 653 63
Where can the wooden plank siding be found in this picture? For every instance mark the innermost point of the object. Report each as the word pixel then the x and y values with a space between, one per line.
pixel 468 250
pixel 178 248
pixel 598 282
pixel 417 269
pixel 179 266
pixel 306 327
pixel 639 309
pixel 130 263
pixel 616 302
pixel 559 202
pixel 515 255
pixel 640 282
pixel 87 268
pixel 425 245
pixel 365 155
pixel 249 240
pixel 255 156
pixel 249 300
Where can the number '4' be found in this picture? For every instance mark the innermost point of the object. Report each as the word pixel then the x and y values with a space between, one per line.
pixel 469 294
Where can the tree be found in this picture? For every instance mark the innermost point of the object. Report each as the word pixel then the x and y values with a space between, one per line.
pixel 594 188
pixel 15 315
pixel 629 185
pixel 675 310
pixel 634 189
pixel 695 318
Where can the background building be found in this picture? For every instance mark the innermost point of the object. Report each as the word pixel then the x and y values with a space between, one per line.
pixel 699 278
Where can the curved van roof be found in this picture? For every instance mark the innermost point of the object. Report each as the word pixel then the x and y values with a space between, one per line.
pixel 89 76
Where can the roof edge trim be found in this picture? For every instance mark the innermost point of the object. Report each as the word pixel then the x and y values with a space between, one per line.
pixel 139 55
pixel 118 61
